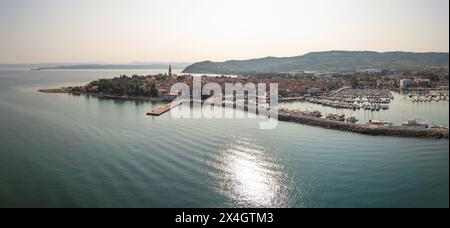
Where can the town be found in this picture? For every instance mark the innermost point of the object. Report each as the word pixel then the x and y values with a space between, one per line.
pixel 370 90
pixel 431 83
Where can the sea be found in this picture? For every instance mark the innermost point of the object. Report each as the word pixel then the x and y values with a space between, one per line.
pixel 60 150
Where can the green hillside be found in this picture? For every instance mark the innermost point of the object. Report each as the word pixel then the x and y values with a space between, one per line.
pixel 333 61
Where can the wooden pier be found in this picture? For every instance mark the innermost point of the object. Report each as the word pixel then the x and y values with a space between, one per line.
pixel 164 108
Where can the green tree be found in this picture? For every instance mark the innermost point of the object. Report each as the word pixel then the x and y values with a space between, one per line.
pixel 153 90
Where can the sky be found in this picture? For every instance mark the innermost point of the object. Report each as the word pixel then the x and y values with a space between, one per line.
pixel 122 31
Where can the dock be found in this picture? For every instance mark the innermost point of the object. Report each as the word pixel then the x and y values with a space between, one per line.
pixel 164 108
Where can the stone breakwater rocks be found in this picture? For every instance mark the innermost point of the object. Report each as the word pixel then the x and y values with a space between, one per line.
pixel 365 129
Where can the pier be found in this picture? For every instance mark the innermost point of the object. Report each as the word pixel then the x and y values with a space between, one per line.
pixel 164 108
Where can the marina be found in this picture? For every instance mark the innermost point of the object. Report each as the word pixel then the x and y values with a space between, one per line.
pixel 355 99
pixel 429 96
pixel 400 110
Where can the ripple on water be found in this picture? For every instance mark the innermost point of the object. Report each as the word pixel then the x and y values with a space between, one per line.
pixel 250 176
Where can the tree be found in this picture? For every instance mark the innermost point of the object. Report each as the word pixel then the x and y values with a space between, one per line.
pixel 153 90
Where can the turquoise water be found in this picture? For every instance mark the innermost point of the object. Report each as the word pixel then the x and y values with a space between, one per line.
pixel 59 150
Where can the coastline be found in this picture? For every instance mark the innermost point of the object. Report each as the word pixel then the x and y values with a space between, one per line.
pixel 114 97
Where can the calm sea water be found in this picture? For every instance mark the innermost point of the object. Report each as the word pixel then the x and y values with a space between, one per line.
pixel 58 150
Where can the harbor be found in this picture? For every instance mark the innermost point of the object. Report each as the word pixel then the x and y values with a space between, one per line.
pixel 411 128
pixel 400 109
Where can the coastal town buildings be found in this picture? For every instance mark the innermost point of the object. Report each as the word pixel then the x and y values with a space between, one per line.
pixel 406 83
pixel 422 83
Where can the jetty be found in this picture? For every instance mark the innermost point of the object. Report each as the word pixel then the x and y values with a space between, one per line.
pixel 164 108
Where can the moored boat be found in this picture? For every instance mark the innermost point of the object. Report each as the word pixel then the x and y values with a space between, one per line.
pixel 415 124
pixel 381 123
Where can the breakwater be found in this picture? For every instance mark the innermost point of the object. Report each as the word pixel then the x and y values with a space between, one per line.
pixel 437 133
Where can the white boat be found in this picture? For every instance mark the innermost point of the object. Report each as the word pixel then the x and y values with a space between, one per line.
pixel 381 123
pixel 415 124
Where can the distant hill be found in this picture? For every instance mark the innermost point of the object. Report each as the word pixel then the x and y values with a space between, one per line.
pixel 332 61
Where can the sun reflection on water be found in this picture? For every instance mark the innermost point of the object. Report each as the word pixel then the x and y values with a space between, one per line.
pixel 251 176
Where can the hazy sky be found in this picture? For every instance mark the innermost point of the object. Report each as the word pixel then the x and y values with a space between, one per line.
pixel 121 31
